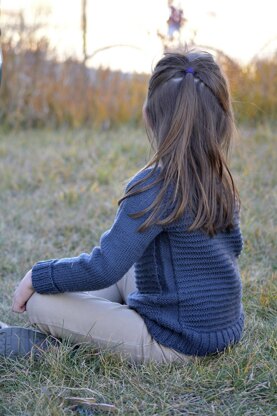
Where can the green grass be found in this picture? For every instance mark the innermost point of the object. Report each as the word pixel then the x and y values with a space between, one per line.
pixel 58 193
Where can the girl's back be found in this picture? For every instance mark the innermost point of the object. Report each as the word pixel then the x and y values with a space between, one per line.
pixel 190 271
pixel 189 286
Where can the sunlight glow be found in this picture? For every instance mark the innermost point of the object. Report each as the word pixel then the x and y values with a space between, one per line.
pixel 239 28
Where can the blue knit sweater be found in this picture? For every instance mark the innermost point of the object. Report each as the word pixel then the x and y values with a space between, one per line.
pixel 188 284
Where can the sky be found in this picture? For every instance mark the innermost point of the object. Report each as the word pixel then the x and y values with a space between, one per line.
pixel 241 28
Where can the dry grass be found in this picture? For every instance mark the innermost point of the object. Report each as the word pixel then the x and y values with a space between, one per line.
pixel 58 193
pixel 38 90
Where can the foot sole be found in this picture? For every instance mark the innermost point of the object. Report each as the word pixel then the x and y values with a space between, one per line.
pixel 19 341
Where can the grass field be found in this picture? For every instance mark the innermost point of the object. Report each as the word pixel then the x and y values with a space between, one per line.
pixel 58 193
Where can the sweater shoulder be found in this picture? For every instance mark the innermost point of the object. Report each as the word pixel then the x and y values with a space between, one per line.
pixel 142 179
pixel 141 190
pixel 148 186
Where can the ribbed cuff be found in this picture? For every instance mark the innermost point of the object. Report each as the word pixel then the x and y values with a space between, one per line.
pixel 42 277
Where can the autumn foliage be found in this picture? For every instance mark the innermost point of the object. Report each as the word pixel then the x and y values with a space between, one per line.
pixel 38 90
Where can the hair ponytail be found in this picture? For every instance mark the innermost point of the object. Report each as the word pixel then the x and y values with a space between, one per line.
pixel 190 123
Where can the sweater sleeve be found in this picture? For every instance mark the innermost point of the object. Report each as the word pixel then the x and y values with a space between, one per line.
pixel 120 247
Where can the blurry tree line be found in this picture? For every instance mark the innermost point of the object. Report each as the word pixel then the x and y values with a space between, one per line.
pixel 38 90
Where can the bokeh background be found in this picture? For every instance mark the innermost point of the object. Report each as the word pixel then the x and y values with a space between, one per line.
pixel 87 62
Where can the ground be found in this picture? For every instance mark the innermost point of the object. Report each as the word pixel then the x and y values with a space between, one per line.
pixel 58 193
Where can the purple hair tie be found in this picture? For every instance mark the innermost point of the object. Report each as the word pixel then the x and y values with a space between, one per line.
pixel 189 70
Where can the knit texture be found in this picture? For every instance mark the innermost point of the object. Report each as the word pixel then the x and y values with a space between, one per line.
pixel 188 283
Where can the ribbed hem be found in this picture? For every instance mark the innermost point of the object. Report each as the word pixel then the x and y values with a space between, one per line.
pixel 195 343
pixel 42 277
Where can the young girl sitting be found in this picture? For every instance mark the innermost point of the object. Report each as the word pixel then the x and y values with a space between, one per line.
pixel 164 283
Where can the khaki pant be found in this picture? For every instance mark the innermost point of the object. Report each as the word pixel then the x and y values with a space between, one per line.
pixel 101 318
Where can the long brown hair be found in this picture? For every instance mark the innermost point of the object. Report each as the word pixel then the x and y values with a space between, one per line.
pixel 189 121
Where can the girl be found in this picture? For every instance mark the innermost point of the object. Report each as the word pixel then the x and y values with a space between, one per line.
pixel 164 282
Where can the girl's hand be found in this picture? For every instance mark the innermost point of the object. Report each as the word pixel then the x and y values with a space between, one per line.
pixel 22 293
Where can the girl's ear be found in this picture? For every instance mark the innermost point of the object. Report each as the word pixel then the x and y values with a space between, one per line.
pixel 145 115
